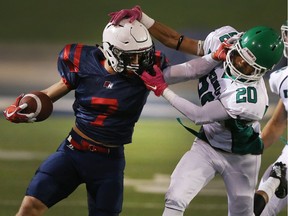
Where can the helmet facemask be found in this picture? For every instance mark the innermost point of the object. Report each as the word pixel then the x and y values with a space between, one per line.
pixel 126 59
pixel 236 74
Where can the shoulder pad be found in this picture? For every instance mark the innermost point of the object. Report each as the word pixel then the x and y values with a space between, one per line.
pixel 217 36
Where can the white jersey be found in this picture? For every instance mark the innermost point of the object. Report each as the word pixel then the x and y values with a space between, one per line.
pixel 279 84
pixel 230 110
pixel 246 104
pixel 229 117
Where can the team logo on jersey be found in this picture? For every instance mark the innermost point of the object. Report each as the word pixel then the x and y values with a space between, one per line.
pixel 108 85
pixel 69 138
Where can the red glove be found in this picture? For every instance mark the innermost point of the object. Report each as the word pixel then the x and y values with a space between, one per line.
pixel 12 113
pixel 155 83
pixel 134 14
pixel 221 52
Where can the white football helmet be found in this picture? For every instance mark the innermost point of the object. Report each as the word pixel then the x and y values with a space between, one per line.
pixel 123 42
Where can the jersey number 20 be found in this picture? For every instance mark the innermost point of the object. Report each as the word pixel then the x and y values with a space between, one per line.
pixel 245 95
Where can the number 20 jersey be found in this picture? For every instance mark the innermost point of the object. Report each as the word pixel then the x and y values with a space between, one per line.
pixel 245 104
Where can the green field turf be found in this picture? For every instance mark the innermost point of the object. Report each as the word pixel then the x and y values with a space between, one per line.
pixel 157 146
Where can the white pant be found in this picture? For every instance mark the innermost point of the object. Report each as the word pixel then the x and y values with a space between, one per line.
pixel 199 166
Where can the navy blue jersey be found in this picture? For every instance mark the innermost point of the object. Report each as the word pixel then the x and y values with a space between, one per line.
pixel 106 106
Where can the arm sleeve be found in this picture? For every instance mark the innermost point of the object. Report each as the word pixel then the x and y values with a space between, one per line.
pixel 192 69
pixel 210 112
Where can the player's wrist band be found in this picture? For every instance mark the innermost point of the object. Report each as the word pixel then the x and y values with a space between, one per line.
pixel 146 20
pixel 180 40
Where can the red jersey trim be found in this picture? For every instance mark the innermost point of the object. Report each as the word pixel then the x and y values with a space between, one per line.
pixel 66 83
pixel 73 66
pixel 77 56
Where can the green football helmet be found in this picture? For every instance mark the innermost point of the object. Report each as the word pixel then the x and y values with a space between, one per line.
pixel 284 31
pixel 261 47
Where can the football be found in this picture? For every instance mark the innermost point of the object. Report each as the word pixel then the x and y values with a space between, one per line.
pixel 38 103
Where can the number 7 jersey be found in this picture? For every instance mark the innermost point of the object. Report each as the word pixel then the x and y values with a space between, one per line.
pixel 106 106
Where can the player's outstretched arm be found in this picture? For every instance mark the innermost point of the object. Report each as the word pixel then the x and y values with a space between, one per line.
pixel 213 111
pixel 172 39
pixel 197 67
pixel 166 35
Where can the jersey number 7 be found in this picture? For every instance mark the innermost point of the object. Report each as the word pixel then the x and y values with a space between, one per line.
pixel 108 105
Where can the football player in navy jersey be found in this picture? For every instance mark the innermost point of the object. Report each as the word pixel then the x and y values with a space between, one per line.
pixel 109 98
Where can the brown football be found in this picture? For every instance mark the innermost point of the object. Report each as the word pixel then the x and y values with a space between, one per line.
pixel 38 103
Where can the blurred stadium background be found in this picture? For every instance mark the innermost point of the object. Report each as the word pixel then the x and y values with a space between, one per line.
pixel 33 32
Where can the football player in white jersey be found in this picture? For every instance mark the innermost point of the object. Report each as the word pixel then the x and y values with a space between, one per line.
pixel 272 192
pixel 234 99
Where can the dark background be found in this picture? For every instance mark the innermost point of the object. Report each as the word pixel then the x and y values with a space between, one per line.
pixel 69 21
